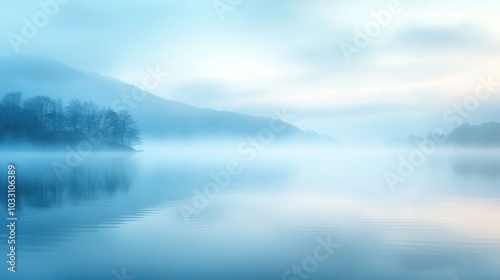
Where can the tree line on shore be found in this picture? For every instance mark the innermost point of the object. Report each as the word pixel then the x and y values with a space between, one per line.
pixel 42 117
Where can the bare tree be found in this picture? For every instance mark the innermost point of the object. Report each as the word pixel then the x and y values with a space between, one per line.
pixel 56 116
pixel 74 116
pixel 36 112
pixel 91 116
pixel 128 129
pixel 11 105
pixel 109 125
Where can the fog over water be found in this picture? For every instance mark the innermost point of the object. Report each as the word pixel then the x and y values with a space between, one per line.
pixel 250 140
pixel 162 212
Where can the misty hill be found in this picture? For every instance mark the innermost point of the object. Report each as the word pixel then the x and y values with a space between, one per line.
pixel 466 135
pixel 482 135
pixel 156 117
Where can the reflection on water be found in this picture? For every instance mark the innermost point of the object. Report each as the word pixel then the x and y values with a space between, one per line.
pixel 117 211
pixel 95 177
pixel 477 164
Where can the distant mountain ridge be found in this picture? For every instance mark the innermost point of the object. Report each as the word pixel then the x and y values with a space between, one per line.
pixel 157 117
pixel 481 135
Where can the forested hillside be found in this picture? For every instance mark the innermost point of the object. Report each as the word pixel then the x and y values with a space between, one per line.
pixel 46 120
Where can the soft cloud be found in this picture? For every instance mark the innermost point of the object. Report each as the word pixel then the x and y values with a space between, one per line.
pixel 282 53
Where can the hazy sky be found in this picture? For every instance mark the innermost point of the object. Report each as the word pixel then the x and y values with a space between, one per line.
pixel 266 54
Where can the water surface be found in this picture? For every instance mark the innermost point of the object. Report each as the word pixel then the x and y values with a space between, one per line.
pixel 123 213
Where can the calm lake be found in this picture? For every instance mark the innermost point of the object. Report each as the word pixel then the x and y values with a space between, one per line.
pixel 286 212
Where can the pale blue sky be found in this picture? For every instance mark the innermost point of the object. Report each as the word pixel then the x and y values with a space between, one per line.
pixel 268 54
